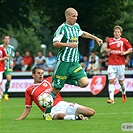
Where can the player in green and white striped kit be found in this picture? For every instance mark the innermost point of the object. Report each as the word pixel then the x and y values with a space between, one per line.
pixel 8 64
pixel 68 69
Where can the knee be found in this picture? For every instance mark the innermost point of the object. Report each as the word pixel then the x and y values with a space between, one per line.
pixel 92 112
pixel 121 82
pixel 111 81
pixel 59 116
pixel 83 82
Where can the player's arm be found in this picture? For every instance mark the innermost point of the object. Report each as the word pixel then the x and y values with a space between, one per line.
pixel 88 35
pixel 61 44
pixel 126 52
pixel 24 114
pixel 4 58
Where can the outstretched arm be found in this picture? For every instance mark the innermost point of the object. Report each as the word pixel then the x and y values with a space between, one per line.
pixel 4 58
pixel 24 114
pixel 61 44
pixel 88 35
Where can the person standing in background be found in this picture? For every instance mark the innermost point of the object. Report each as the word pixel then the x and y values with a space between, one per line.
pixel 3 57
pixel 8 63
pixel 117 48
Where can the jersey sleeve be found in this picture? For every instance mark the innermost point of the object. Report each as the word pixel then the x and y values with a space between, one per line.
pixel 108 43
pixel 28 99
pixel 127 44
pixel 80 31
pixel 58 35
pixel 4 52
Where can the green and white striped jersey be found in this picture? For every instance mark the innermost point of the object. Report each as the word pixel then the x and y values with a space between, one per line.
pixel 68 34
pixel 10 52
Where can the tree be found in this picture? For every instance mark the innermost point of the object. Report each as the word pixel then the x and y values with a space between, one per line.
pixel 126 21
pixel 27 40
pixel 15 13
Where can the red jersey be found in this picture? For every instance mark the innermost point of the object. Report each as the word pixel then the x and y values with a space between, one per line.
pixel 2 54
pixel 32 93
pixel 116 46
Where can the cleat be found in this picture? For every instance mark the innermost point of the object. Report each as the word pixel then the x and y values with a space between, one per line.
pixel 6 97
pixel 124 97
pixel 81 117
pixel 110 101
pixel 47 116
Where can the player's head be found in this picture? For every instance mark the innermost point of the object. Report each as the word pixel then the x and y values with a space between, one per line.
pixel 117 32
pixel 71 16
pixel 6 39
pixel 37 74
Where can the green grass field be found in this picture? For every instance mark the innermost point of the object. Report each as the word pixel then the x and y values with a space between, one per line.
pixel 108 117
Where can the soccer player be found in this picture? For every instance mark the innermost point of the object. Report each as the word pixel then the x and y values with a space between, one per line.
pixel 67 69
pixel 117 48
pixel 8 63
pixel 3 57
pixel 42 85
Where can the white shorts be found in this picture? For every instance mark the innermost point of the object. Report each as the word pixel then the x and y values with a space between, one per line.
pixel 64 107
pixel 116 71
pixel 1 76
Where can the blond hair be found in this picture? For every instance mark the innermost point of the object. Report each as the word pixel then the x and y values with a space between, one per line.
pixel 118 27
pixel 69 10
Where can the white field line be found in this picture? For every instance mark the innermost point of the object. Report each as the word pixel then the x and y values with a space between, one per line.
pixel 113 113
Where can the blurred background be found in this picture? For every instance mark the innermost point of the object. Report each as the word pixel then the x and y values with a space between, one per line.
pixel 32 23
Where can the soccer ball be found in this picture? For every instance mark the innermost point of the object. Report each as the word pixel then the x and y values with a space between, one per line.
pixel 45 100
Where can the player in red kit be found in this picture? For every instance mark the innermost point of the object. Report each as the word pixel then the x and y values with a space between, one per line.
pixel 117 48
pixel 59 108
pixel 40 86
pixel 3 57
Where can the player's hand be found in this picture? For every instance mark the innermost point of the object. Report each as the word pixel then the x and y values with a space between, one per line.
pixel 73 45
pixel 122 53
pixel 6 58
pixel 99 41
pixel 18 119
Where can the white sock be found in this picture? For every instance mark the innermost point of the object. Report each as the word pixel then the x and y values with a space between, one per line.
pixel 1 92
pixel 123 88
pixel 69 117
pixel 111 91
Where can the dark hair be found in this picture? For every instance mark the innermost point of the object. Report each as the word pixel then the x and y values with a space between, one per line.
pixel 4 36
pixel 35 68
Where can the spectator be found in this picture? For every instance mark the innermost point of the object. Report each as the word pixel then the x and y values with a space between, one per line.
pixel 94 55
pixel 128 63
pixel 17 59
pixel 104 60
pixel 24 66
pixel 80 58
pixel 93 67
pixel 28 60
pixel 104 45
pixel 40 60
pixel 85 63
pixel 50 61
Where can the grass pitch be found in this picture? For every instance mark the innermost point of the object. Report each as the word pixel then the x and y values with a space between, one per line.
pixel 108 117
